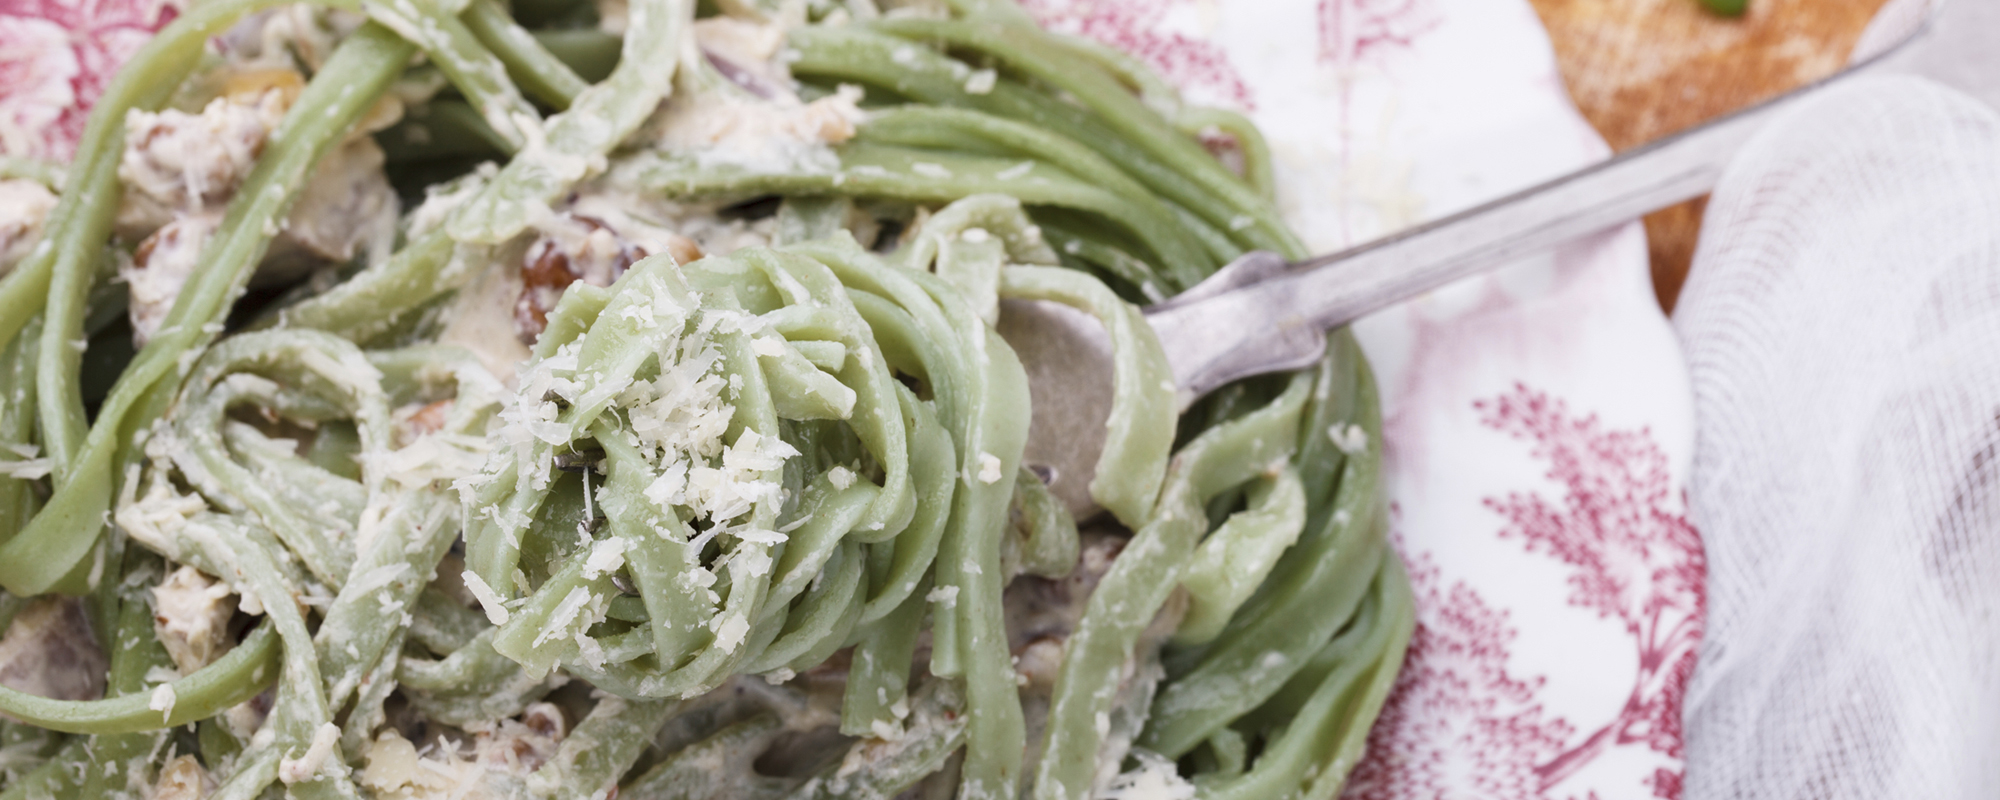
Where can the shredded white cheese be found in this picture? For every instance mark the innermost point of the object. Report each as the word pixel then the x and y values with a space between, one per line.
pixel 1351 439
pixel 606 557
pixel 989 468
pixel 981 82
pixel 730 630
pixel 759 535
pixel 317 758
pixel 163 701
pixel 489 600
pixel 570 611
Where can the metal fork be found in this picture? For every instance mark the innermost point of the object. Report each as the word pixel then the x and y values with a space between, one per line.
pixel 1261 313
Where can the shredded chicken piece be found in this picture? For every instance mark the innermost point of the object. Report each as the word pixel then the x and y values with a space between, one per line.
pixel 182 779
pixel 779 134
pixel 49 651
pixel 500 755
pixel 24 207
pixel 176 162
pixel 191 614
pixel 161 266
pixel 180 171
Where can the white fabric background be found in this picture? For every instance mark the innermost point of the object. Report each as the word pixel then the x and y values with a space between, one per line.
pixel 1842 331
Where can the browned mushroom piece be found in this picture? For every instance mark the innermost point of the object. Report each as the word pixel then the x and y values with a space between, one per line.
pixel 575 247
pixel 417 421
pixel 49 651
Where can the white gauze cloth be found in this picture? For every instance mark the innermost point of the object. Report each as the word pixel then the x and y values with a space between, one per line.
pixel 1842 329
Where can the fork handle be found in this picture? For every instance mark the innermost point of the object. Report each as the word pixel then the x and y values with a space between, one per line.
pixel 1256 319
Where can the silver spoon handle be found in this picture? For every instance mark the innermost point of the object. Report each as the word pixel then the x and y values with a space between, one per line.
pixel 1266 318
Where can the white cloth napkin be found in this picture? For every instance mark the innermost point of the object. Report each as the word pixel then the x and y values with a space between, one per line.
pixel 1842 330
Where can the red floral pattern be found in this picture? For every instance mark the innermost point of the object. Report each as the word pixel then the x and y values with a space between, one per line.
pixel 1458 720
pixel 1356 31
pixel 56 57
pixel 1133 26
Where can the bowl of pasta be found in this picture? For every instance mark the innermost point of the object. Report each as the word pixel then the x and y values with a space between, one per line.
pixel 438 398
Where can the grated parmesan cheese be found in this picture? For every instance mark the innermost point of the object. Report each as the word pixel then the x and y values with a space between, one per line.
pixel 981 82
pixel 489 600
pixel 730 630
pixel 1351 439
pixel 946 596
pixel 316 758
pixel 163 700
pixel 606 557
pixel 989 468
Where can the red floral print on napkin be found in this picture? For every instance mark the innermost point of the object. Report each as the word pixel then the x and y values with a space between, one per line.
pixel 1356 31
pixel 1458 721
pixel 56 57
pixel 1134 27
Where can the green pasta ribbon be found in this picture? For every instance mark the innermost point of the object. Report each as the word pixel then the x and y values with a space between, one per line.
pixel 751 524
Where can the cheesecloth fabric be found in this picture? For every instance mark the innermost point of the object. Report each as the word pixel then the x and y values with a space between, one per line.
pixel 1842 328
